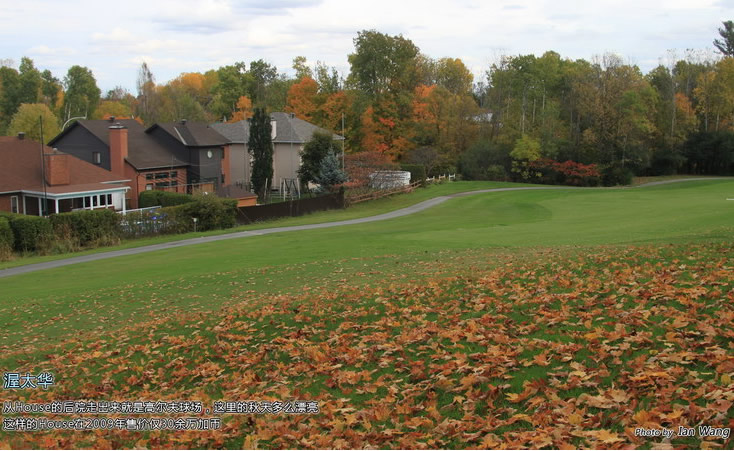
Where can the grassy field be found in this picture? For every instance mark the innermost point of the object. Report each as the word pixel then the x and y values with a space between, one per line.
pixel 516 319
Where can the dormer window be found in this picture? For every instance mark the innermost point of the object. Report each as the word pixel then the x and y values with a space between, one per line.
pixel 96 158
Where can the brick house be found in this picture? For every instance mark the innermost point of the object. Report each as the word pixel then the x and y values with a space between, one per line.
pixel 55 183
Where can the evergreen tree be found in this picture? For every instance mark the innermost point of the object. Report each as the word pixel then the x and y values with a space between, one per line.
pixel 260 145
pixel 726 44
pixel 314 152
pixel 330 173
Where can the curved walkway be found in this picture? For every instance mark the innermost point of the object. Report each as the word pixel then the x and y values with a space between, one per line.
pixel 208 239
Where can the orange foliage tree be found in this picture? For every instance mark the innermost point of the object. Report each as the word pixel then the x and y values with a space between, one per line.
pixel 244 110
pixel 302 98
pixel 384 131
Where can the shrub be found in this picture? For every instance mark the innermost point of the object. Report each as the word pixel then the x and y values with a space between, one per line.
pixel 417 172
pixel 6 239
pixel 32 233
pixel 85 228
pixel 211 212
pixel 569 172
pixel 496 172
pixel 616 175
pixel 155 198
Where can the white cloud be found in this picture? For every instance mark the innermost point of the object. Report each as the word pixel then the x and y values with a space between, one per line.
pixel 196 35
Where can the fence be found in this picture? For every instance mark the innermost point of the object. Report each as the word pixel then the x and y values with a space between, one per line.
pixel 449 177
pixel 247 215
pixel 382 193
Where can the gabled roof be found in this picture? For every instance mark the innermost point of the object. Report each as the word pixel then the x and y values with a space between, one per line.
pixel 288 129
pixel 21 170
pixel 144 151
pixel 192 134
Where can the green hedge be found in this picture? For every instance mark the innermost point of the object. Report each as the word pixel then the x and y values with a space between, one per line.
pixel 87 227
pixel 31 233
pixel 210 211
pixel 6 238
pixel 417 172
pixel 155 198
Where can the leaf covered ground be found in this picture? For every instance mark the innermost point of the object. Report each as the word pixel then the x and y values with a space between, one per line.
pixel 546 348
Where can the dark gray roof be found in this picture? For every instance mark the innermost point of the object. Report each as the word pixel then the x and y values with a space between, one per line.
pixel 144 152
pixel 288 129
pixel 193 134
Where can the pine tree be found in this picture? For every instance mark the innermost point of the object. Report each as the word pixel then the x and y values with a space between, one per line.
pixel 260 146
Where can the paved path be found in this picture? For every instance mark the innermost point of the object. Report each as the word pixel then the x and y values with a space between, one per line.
pixel 229 236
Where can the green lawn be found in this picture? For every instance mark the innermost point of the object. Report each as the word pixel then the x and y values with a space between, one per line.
pixel 357 211
pixel 520 319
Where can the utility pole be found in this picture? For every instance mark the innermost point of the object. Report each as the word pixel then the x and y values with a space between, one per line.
pixel 43 171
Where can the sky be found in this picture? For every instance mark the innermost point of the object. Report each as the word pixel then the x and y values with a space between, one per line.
pixel 114 38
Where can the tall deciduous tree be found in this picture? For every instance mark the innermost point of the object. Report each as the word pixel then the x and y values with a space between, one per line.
pixel 30 81
pixel 26 120
pixel 82 94
pixel 9 95
pixel 260 146
pixel 726 43
pixel 147 100
pixel 383 63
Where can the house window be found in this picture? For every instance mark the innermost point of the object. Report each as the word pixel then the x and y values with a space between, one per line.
pixel 161 175
pixel 148 176
pixel 14 204
pixel 148 187
pixel 109 199
pixel 94 201
pixel 174 182
pixel 174 174
pixel 87 202
pixel 96 158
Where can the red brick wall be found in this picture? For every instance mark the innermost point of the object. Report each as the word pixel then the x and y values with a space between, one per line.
pixel 5 202
pixel 57 169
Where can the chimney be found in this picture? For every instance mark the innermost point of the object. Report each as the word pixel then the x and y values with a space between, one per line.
pixel 57 168
pixel 21 135
pixel 273 129
pixel 118 149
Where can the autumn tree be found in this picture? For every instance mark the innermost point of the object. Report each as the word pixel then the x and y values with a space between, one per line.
pixel 302 98
pixel 260 146
pixel 244 110
pixel 26 120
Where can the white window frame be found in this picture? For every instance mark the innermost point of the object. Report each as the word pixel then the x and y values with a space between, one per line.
pixel 14 208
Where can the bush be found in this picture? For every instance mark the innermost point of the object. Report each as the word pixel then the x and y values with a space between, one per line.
pixel 497 173
pixel 616 175
pixel 211 212
pixel 417 172
pixel 6 239
pixel 86 228
pixel 32 233
pixel 569 172
pixel 155 198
